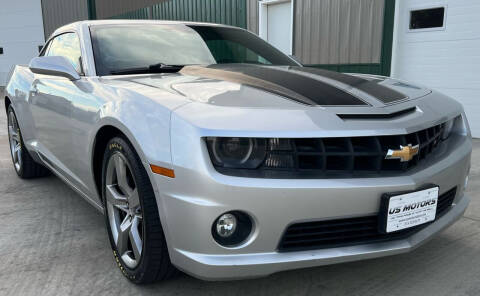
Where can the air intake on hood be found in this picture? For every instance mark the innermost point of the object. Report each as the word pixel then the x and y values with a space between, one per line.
pixel 378 116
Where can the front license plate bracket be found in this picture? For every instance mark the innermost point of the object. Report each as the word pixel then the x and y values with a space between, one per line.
pixel 407 209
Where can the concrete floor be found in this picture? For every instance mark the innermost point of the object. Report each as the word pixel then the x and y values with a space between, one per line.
pixel 53 243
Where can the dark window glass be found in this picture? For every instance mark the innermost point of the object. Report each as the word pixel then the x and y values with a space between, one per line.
pixel 427 18
pixel 119 47
pixel 66 45
pixel 45 49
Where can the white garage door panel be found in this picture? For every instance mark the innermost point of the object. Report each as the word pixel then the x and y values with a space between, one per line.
pixel 21 32
pixel 447 60
pixel 20 19
pixel 279 26
pixel 26 33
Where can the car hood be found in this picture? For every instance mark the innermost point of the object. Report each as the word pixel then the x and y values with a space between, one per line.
pixel 263 100
pixel 245 85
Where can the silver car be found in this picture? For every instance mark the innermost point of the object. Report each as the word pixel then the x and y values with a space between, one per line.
pixel 211 152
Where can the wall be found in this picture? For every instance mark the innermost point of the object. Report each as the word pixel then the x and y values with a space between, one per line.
pixel 333 31
pixel 338 31
pixel 252 16
pixel 340 35
pixel 57 13
pixel 109 8
pixel 21 32
pixel 447 60
pixel 228 12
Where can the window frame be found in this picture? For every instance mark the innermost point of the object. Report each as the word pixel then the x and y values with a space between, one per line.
pixel 49 42
pixel 45 48
pixel 426 7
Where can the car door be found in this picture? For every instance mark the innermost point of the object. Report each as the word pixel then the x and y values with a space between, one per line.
pixel 51 102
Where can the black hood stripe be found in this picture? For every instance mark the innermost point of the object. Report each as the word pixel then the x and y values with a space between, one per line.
pixel 297 87
pixel 382 93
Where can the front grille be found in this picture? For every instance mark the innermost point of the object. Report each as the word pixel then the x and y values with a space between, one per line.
pixel 361 155
pixel 342 157
pixel 347 232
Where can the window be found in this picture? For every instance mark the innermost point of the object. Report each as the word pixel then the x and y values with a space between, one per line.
pixel 427 18
pixel 66 45
pixel 120 47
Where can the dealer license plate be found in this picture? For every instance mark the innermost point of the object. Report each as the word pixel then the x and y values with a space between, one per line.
pixel 409 209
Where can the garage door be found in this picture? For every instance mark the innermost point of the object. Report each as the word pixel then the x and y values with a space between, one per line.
pixel 21 33
pixel 438 44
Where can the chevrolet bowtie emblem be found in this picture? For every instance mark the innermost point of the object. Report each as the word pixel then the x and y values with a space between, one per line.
pixel 406 153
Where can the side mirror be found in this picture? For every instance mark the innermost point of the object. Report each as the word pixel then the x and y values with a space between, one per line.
pixel 55 66
pixel 295 58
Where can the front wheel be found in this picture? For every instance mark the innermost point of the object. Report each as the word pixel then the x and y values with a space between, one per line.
pixel 131 216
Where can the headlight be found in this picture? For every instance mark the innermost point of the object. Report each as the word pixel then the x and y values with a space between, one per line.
pixel 447 129
pixel 236 152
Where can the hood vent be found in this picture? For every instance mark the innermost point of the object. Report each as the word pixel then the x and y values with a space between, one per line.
pixel 378 116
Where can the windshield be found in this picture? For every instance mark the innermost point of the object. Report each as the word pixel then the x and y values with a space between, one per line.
pixel 122 47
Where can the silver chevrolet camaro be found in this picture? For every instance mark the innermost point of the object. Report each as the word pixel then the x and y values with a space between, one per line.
pixel 211 152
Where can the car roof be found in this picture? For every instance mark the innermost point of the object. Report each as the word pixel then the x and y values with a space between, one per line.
pixel 77 25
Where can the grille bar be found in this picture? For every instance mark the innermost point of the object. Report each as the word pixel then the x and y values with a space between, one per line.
pixel 361 154
pixel 347 232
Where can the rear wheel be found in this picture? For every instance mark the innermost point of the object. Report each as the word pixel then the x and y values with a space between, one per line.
pixel 131 215
pixel 24 165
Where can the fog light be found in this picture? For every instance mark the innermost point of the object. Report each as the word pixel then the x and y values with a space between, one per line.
pixel 226 225
pixel 232 228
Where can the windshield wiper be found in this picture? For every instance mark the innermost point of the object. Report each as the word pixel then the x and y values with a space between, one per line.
pixel 154 68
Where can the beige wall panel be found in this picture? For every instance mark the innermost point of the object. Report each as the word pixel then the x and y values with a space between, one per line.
pixel 338 31
pixel 344 33
pixel 252 16
pixel 377 30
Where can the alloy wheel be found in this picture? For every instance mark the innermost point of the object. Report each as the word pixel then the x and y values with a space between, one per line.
pixel 15 141
pixel 124 210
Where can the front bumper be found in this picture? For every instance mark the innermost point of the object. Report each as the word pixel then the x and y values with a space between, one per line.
pixel 223 267
pixel 190 203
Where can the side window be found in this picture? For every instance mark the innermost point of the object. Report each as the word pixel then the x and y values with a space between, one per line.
pixel 66 45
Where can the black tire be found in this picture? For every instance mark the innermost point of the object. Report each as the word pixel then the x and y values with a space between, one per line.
pixel 154 264
pixel 28 168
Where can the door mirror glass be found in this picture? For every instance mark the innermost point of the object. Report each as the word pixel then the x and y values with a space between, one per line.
pixel 55 66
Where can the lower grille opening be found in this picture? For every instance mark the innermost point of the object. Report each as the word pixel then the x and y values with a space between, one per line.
pixel 351 231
